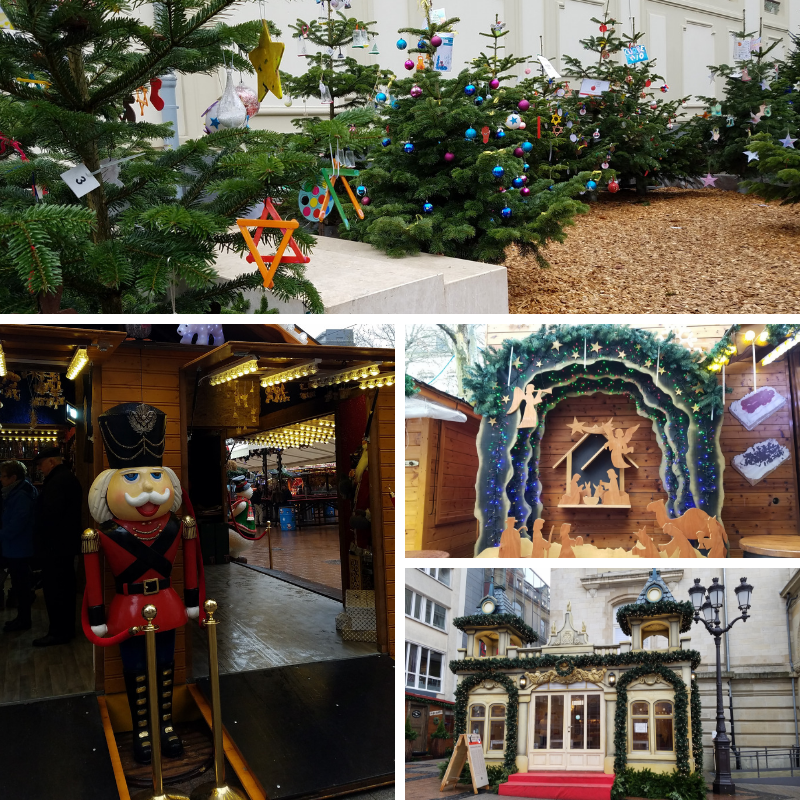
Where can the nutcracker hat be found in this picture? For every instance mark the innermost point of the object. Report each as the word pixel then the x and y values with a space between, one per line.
pixel 133 435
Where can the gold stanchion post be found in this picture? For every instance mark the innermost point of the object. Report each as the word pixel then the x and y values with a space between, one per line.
pixel 218 790
pixel 149 613
pixel 269 541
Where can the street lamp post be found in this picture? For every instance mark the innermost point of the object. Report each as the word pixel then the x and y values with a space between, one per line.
pixel 709 603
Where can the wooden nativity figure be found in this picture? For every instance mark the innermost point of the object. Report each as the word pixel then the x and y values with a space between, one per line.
pixel 532 398
pixel 134 502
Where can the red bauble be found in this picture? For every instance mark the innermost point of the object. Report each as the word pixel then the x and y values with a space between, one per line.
pixel 648 82
pixel 603 28
pixel 613 186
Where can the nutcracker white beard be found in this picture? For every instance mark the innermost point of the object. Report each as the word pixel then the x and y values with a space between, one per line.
pixel 98 506
pixel 147 497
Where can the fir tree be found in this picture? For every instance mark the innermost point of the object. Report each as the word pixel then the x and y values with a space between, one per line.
pixel 779 168
pixel 755 102
pixel 627 133
pixel 126 244
pixel 348 83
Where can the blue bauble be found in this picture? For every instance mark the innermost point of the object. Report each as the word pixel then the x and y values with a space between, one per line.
pixel 501 134
pixel 517 183
pixel 498 172
pixel 422 45
pixel 526 167
pixel 428 208
pixel 402 44
pixel 380 97
pixel 361 190
pixel 527 146
pixel 478 101
pixel 506 212
pixel 386 142
pixel 471 134
pixel 469 90
pixel 408 147
pixel 591 185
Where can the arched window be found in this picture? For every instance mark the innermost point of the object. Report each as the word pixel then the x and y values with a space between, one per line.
pixel 640 726
pixel 664 725
pixel 477 720
pixel 497 727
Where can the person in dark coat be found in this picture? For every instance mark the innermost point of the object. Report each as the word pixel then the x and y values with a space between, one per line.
pixel 16 538
pixel 57 540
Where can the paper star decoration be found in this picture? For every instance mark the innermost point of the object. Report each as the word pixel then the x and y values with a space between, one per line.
pixel 765 84
pixel 649 362
pixel 575 354
pixel 679 392
pixel 492 421
pixel 796 87
pixel 495 385
pixel 556 346
pixel 596 348
pixel 709 180
pixel 745 76
pixel 266 59
pixel 751 156
pixel 695 407
pixel 517 363
pixel 661 370
pixel 621 353
pixel 538 363
pixel 788 141
pixel 506 398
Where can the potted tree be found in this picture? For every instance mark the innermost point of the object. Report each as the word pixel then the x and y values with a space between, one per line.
pixel 411 734
pixel 439 740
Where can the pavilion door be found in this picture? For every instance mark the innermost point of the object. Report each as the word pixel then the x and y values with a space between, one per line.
pixel 567 731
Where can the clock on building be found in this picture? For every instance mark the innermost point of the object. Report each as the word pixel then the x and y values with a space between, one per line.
pixel 654 594
pixel 488 605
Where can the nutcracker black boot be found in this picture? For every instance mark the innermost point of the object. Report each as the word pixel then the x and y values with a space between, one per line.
pixel 171 744
pixel 136 687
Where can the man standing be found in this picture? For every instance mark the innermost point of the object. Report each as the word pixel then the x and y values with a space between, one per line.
pixel 16 538
pixel 57 540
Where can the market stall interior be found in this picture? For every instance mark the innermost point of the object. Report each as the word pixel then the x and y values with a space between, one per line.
pixel 289 639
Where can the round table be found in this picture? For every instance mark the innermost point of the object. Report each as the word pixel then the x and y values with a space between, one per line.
pixel 770 546
pixel 427 554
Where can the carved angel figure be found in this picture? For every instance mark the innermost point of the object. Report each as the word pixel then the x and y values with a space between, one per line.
pixel 532 398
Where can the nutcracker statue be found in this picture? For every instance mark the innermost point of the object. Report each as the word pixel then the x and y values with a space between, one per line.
pixel 244 519
pixel 134 502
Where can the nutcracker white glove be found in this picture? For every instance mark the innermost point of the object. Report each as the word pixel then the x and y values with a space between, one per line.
pixel 194 612
pixel 100 630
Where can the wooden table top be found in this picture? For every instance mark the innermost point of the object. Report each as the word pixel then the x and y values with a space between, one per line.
pixel 776 546
pixel 429 554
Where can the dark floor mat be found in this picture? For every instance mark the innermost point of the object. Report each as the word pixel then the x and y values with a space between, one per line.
pixel 313 729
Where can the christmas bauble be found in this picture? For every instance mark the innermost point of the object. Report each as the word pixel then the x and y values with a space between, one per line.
pixel 604 165
pixel 494 83
pixel 527 70
pixel 591 185
pixel 402 44
pixel 498 172
pixel 648 82
pixel 522 126
pixel 361 190
pixel 249 99
pixel 427 208
pixel 416 91
pixel 573 137
pixel 471 134
pixel 613 186
pixel 408 147
pixel 524 191
pixel 513 121
pixel 365 201
pixel 519 152
pixel 448 157
pixel 526 167
pixel 524 179
pixel 603 28
pixel 665 88
pixel 381 97
pixel 628 78
pixel 596 134
pixel 409 65
pixel 310 201
pixel 478 101
pixel 501 134
pixel 469 90
pixel 436 40
pixel 386 142
pixel 517 183
pixel 527 146
pixel 501 189
pixel 506 212
pixel 523 104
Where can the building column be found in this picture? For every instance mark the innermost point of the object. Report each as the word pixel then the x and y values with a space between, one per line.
pixel 522 734
pixel 170 111
pixel 636 635
pixel 471 644
pixel 674 633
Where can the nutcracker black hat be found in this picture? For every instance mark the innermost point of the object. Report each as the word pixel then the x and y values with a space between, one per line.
pixel 133 435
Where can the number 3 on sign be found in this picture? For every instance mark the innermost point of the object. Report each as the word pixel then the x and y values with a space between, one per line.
pixel 80 180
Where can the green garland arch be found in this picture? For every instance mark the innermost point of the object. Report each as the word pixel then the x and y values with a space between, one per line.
pixel 684 608
pixel 681 717
pixel 512 707
pixel 682 397
pixel 697 727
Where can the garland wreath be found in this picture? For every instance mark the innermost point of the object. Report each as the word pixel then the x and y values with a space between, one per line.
pixel 512 706
pixel 667 381
pixel 659 608
pixel 697 727
pixel 526 633
pixel 411 386
pixel 428 701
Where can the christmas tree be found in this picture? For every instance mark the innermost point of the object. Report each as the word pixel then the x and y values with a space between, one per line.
pixel 454 174
pixel 779 168
pixel 623 128
pixel 755 102
pixel 147 236
pixel 333 77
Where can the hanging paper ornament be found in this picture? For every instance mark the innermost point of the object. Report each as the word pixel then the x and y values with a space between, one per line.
pixel 336 4
pixel 768 111
pixel 524 191
pixel 469 90
pixel 380 97
pixel 494 83
pixel 402 44
pixel 231 112
pixel 408 147
pixel 517 183
pixel 416 91
pixel 582 110
pixel 324 94
pixel 448 157
pixel 605 54
pixel 486 132
pixel 523 104
pixel 628 78
pixel 488 97
pixel 591 185
pixel 527 146
pixel 730 121
pixel 501 134
pixel 471 134
pixel 155 98
pixel 373 51
pixel 513 121
pixel 648 82
pixel 478 101
pixel 310 201
pixel 386 141
pixel 436 40
pixel 519 152
pixel 409 65
pixel 302 47
pixel 604 165
pixel 128 114
pixel 498 171
pixel 249 99
pixel 361 190
pixel 506 212
pixel 141 98
pixel 266 59
pixel 360 39
pixel 596 134
pixel 349 159
pixel 613 186
pixel 573 137
pixel 427 208
pixel 527 70
pixel 420 64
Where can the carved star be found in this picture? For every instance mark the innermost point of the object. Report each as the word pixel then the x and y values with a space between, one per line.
pixel 517 363
pixel 621 353
pixel 698 388
pixel 492 421
pixel 538 363
pixel 575 355
pixel 661 370
pixel 596 348
pixel 506 398
pixel 695 407
pixel 649 362
pixel 576 426
pixel 556 346
pixel 679 391
pixel 495 385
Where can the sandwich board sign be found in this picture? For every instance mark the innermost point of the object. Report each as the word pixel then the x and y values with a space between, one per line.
pixel 468 747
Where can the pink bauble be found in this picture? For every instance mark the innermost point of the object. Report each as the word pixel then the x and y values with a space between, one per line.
pixel 522 126
pixel 249 99
pixel 527 70
pixel 365 201
pixel 524 178
pixel 494 83
pixel 416 91
pixel 519 152
pixel 523 105
pixel 448 157
pixel 409 64
pixel 524 191
pixel 436 41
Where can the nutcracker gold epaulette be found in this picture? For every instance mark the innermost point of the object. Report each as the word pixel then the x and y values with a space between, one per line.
pixel 90 541
pixel 189 527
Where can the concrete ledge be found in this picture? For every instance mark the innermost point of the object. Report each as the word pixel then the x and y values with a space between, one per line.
pixel 355 278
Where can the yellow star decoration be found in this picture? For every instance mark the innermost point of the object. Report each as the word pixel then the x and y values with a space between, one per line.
pixel 266 59
pixel 538 363
pixel 661 370
pixel 492 421
pixel 556 346
pixel 679 392
pixel 621 353
pixel 575 355
pixel 649 362
pixel 517 363
pixel 495 385
pixel 699 388
pixel 596 348
pixel 506 398
pixel 695 407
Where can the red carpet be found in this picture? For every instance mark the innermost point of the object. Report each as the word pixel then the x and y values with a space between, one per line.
pixel 559 785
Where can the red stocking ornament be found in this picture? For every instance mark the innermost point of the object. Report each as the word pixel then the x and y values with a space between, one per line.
pixel 156 100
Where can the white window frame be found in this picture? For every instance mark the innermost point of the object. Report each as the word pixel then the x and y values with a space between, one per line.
pixel 434 573
pixel 423 608
pixel 416 671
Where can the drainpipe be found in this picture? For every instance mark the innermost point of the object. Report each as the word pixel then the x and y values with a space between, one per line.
pixel 728 669
pixel 789 602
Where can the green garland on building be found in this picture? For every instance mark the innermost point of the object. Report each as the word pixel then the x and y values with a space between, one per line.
pixel 411 386
pixel 697 726
pixel 684 608
pixel 512 706
pixel 428 701
pixel 526 633
pixel 681 716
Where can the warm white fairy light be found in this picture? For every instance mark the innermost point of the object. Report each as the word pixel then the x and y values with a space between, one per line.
pixel 3 369
pixel 358 373
pixel 79 360
pixel 303 370
pixel 246 367
pixel 377 383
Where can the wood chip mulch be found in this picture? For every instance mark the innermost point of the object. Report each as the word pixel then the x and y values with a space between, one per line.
pixel 677 251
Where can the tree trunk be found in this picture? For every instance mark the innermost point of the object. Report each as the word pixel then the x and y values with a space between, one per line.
pixel 464 349
pixel 641 186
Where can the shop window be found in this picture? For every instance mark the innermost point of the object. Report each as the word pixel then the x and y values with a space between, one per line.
pixel 423 668
pixel 425 610
pixel 497 727
pixel 664 725
pixel 477 720
pixel 540 723
pixel 593 722
pixel 557 722
pixel 640 726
